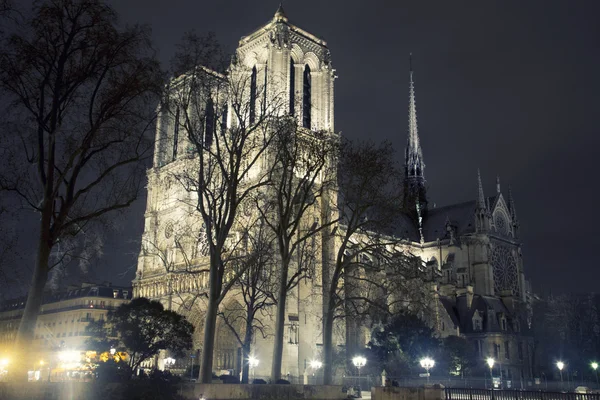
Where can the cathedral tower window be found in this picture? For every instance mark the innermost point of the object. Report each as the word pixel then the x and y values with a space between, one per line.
pixel 210 123
pixel 253 96
pixel 306 106
pixel 175 134
pixel 292 86
pixel 224 120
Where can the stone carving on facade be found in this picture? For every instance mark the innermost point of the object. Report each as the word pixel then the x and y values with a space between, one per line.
pixel 280 36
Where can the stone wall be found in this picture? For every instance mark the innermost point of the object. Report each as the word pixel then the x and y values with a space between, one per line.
pixel 401 393
pixel 217 391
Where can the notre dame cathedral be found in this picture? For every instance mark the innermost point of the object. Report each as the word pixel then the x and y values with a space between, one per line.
pixel 471 250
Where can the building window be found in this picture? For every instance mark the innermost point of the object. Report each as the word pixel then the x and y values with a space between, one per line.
pixel 176 134
pixel 292 86
pixel 520 350
pixel 210 123
pixel 503 324
pixel 477 325
pixel 306 122
pixel 224 120
pixel 496 351
pixel 506 350
pixel 253 96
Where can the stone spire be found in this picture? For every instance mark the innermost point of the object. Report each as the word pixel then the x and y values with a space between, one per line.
pixel 280 13
pixel 511 205
pixel 414 155
pixel 481 196
pixel 415 195
pixel 482 208
pixel 498 184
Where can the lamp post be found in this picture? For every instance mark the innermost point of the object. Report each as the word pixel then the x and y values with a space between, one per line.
pixel 560 365
pixel 595 367
pixel 253 363
pixel 427 363
pixel 315 365
pixel 359 362
pixel 490 362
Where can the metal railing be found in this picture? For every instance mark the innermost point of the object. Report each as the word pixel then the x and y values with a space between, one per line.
pixel 489 394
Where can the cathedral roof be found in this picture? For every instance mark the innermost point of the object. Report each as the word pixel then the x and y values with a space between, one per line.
pixel 280 18
pixel 460 215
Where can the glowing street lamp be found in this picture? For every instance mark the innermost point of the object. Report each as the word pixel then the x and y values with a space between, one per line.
pixel 560 365
pixel 4 362
pixel 595 367
pixel 427 363
pixel 253 363
pixel 112 351
pixel 359 362
pixel 490 362
pixel 316 364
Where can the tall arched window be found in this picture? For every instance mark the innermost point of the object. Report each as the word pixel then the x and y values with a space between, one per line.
pixel 175 134
pixel 292 86
pixel 306 98
pixel 210 123
pixel 224 119
pixel 253 96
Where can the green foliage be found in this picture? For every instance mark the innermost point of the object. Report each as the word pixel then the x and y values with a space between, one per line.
pixel 460 357
pixel 111 371
pixel 399 346
pixel 144 328
pixel 401 343
pixel 100 339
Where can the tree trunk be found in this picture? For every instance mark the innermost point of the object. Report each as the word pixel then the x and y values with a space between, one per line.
pixel 279 325
pixel 210 325
pixel 328 347
pixel 246 346
pixel 327 291
pixel 34 301
pixel 245 363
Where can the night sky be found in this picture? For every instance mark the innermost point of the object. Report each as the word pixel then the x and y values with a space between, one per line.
pixel 510 87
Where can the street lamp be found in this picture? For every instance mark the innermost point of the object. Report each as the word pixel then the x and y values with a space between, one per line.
pixel 595 367
pixel 560 365
pixel 253 363
pixel 316 364
pixel 427 363
pixel 112 351
pixel 490 362
pixel 359 362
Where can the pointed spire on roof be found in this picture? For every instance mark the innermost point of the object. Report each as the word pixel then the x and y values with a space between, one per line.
pixel 481 197
pixel 498 184
pixel 280 13
pixel 414 155
pixel 511 205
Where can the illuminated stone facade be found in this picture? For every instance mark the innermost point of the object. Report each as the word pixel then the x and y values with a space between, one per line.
pixel 471 250
pixel 294 66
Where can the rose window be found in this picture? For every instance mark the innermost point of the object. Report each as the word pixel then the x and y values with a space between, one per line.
pixel 506 276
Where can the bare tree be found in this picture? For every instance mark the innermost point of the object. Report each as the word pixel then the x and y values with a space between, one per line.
pixel 228 125
pixel 255 286
pixel 376 274
pixel 81 93
pixel 301 171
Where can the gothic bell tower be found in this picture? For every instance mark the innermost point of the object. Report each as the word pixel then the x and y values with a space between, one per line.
pixel 294 68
